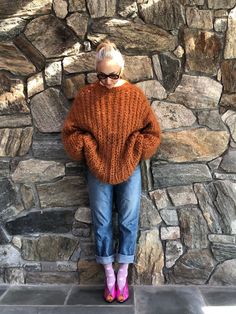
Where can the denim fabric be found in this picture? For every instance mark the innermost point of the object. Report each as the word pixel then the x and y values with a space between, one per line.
pixel 126 196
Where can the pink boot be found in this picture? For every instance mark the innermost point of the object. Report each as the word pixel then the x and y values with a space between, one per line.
pixel 109 296
pixel 122 296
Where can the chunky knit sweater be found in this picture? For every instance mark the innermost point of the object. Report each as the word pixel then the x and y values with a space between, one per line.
pixel 111 129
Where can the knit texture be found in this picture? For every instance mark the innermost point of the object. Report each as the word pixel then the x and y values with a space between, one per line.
pixel 111 129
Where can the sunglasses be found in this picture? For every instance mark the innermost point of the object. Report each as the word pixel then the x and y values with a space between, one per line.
pixel 103 76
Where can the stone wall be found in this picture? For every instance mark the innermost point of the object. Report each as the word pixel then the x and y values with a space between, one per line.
pixel 183 55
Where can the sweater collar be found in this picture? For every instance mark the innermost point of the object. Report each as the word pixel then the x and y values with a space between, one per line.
pixel 113 89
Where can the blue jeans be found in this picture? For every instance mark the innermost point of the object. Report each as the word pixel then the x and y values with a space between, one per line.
pixel 127 201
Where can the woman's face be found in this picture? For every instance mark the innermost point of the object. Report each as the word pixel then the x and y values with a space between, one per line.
pixel 108 66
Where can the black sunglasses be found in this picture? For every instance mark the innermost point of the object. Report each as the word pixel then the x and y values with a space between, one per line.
pixel 103 76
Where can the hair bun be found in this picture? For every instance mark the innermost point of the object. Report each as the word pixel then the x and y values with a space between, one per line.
pixel 107 44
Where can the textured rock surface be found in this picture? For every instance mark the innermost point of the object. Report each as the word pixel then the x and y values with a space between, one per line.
pixel 194 145
pixel 149 260
pixel 130 36
pixel 194 267
pixel 197 92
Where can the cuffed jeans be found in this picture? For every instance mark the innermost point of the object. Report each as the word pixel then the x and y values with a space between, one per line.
pixel 127 201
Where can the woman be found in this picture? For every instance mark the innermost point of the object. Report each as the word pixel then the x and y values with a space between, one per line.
pixel 112 126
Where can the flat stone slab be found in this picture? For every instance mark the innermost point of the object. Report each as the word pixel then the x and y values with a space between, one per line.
pixel 35 295
pixel 168 300
pixel 219 296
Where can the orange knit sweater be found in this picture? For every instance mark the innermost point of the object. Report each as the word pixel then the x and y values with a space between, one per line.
pixel 112 129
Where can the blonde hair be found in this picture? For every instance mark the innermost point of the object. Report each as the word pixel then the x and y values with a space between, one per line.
pixel 108 49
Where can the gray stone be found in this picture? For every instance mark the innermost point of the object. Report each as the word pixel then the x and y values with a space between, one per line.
pixel 220 24
pixel 12 60
pixel 225 274
pixel 170 233
pixel 197 92
pixel 16 142
pixel 149 216
pixel 203 51
pixel 49 146
pixel 35 84
pixel 152 89
pixel 174 174
pixel 169 216
pixel 138 68
pixel 70 191
pixel 192 2
pixel 221 4
pixel 228 101
pixel 127 8
pixel 25 7
pixel 78 22
pixel 172 116
pixel 11 27
pixel 130 36
pixel 89 272
pixel 196 18
pixel 12 97
pixel 154 12
pixel 182 195
pixel 29 51
pixel 225 203
pixel 198 144
pixel 27 196
pixel 211 119
pixel 207 207
pixel 49 110
pixel 193 227
pixel 194 267
pixel 77 5
pixel 222 238
pixel 214 164
pixel 53 73
pixel 51 278
pixel 224 251
pixel 14 276
pixel 179 52
pixel 72 84
pixel 99 8
pixel 48 28
pixel 228 70
pixel 229 118
pixel 34 170
pixel 4 236
pixel 83 214
pixel 171 70
pixel 9 256
pixel 82 62
pixel 173 251
pixel 157 67
pixel 48 248
pixel 149 259
pixel 60 8
pixel 4 168
pixel 160 198
pixel 229 161
pixel 15 120
pixel 230 47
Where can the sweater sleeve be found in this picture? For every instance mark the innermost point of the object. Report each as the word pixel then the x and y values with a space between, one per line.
pixel 72 135
pixel 150 134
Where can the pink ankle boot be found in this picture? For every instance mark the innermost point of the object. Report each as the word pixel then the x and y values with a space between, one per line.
pixel 122 296
pixel 109 296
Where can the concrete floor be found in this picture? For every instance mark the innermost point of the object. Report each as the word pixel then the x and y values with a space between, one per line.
pixel 71 299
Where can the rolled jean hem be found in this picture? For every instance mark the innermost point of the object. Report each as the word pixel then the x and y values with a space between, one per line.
pixel 105 259
pixel 121 258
